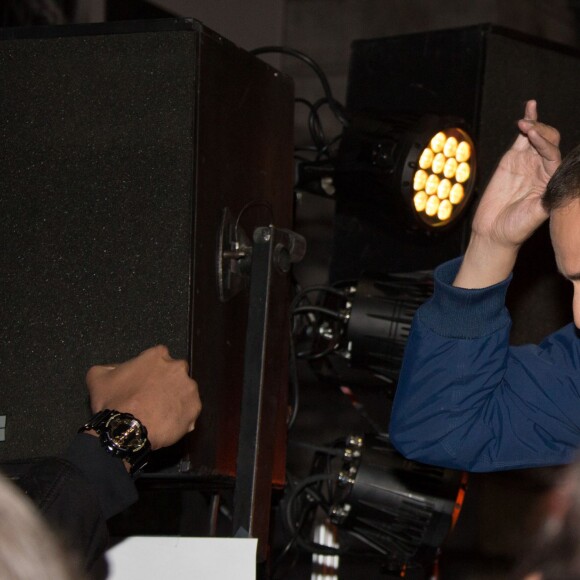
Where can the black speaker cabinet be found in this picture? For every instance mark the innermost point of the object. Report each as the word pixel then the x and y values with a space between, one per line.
pixel 121 147
pixel 483 75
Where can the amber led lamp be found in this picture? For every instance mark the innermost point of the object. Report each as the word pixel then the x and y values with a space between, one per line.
pixel 439 175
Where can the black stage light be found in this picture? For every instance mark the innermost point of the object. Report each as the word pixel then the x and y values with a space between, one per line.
pixel 401 509
pixel 378 321
pixel 364 324
pixel 380 506
pixel 481 75
pixel 424 164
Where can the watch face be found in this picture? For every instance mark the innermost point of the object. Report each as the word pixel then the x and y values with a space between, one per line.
pixel 125 433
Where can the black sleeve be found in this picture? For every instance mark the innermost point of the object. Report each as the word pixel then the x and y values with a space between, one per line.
pixel 79 492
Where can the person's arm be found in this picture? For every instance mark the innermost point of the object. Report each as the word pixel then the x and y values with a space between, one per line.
pixel 464 399
pixel 80 491
pixel 467 401
pixel 511 206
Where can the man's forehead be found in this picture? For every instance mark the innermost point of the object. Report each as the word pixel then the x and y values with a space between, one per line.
pixel 565 234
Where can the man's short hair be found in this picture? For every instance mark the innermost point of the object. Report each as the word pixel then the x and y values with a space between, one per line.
pixel 564 186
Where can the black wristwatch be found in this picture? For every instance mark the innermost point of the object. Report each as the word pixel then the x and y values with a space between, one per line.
pixel 123 436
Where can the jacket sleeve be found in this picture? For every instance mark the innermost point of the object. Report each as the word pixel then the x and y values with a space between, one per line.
pixel 79 492
pixel 467 400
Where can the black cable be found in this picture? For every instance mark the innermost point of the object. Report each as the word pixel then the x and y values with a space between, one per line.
pixel 326 149
pixel 312 309
pixel 359 407
pixel 294 382
pixel 318 448
pixel 316 128
pixel 318 310
pixel 290 544
pixel 319 288
pixel 309 355
pixel 335 106
pixel 300 487
pixel 314 125
pixel 254 203
pixel 279 559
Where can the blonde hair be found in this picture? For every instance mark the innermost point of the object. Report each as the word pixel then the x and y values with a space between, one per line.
pixel 29 549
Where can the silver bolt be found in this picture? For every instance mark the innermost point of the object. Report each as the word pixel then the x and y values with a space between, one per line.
pixel 184 466
pixel 326 331
pixel 344 478
pixel 338 514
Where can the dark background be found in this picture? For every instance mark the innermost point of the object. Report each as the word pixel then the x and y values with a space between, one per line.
pixel 497 517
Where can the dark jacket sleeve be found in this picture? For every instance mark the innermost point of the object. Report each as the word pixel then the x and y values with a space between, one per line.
pixel 79 492
pixel 467 400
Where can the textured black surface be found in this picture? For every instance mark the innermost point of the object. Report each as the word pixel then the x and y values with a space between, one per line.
pixel 95 218
pixel 120 146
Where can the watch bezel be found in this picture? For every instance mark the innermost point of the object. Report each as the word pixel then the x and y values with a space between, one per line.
pixel 101 424
pixel 109 440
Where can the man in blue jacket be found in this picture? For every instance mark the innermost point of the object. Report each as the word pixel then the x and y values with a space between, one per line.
pixel 466 399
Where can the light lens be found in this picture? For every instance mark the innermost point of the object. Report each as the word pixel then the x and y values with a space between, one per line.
pixel 432 205
pixel 450 168
pixel 450 147
pixel 426 158
pixel 445 210
pixel 444 176
pixel 432 184
pixel 420 201
pixel 456 194
pixel 463 172
pixel 438 163
pixel 444 189
pixel 438 142
pixel 420 180
pixel 463 152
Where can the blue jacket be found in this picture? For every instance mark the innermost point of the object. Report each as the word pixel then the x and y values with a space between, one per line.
pixel 467 400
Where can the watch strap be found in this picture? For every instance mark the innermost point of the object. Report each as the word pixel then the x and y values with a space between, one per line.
pixel 137 459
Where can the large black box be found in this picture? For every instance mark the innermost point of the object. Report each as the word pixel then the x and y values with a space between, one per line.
pixel 121 145
pixel 480 74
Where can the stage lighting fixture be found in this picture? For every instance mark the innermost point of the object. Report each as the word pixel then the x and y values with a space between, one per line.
pixel 429 162
pixel 402 509
pixel 367 323
pixel 379 320
pixel 357 331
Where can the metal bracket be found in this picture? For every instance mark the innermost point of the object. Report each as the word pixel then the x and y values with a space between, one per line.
pixel 233 258
pixel 274 250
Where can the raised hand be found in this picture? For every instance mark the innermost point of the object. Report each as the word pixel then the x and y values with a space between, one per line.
pixel 511 209
pixel 153 387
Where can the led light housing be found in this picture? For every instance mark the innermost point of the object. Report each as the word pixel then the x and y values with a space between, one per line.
pixel 402 509
pixel 407 165
pixel 450 176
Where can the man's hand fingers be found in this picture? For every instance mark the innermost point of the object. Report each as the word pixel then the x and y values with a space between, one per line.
pixel 531 110
pixel 98 371
pixel 159 350
pixel 545 146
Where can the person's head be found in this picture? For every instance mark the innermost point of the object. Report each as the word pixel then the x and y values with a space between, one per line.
pixel 562 200
pixel 29 550
pixel 564 186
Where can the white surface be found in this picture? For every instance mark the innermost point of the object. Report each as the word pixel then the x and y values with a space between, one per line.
pixel 152 558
